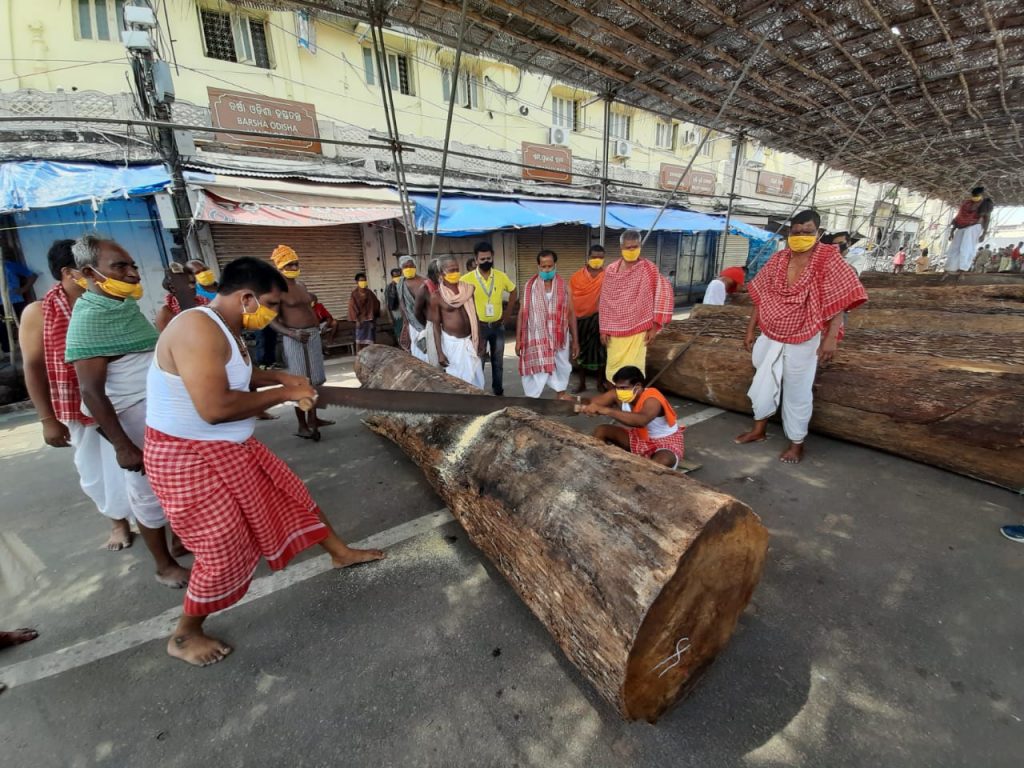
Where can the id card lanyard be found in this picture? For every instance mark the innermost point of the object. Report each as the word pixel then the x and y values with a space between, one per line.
pixel 489 309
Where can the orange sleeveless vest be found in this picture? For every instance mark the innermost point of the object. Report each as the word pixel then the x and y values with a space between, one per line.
pixel 667 411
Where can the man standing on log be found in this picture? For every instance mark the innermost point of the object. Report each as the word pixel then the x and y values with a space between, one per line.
pixel 455 328
pixel 546 341
pixel 53 387
pixel 650 425
pixel 489 288
pixel 232 501
pixel 111 346
pixel 363 310
pixel 636 302
pixel 969 227
pixel 585 285
pixel 299 326
pixel 799 299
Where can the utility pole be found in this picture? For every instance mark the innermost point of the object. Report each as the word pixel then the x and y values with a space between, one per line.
pixel 604 164
pixel 738 145
pixel 154 88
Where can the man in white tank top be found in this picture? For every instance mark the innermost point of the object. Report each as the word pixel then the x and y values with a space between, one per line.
pixel 230 499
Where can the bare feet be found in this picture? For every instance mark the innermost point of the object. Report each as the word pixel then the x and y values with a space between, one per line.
pixel 177 549
pixel 197 648
pixel 349 556
pixel 324 422
pixel 753 436
pixel 17 637
pixel 173 576
pixel 563 396
pixel 121 536
pixel 793 454
pixel 305 434
pixel 580 387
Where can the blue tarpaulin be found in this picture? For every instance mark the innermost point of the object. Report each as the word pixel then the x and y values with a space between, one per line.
pixel 35 184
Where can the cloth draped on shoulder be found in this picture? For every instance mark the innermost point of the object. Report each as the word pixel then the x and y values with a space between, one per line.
pixel 172 303
pixel 545 327
pixel 65 394
pixel 794 313
pixel 635 299
pixel 104 327
pixel 586 291
pixel 462 296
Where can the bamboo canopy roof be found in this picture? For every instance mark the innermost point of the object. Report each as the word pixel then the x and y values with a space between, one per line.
pixel 928 94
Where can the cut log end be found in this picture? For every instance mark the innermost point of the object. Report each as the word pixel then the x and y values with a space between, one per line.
pixel 696 613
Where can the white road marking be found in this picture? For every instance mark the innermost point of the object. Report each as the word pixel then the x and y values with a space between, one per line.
pixel 88 651
pixel 699 416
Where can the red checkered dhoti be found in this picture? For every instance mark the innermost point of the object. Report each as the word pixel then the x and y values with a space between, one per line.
pixel 231 504
pixel 649 447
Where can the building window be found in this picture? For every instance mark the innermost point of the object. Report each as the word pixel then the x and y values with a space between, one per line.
pixel 666 135
pixel 565 113
pixel 467 92
pixel 99 19
pixel 707 150
pixel 368 68
pixel 235 37
pixel 399 71
pixel 619 126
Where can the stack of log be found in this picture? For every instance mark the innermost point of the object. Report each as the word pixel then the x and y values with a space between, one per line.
pixel 638 572
pixel 932 373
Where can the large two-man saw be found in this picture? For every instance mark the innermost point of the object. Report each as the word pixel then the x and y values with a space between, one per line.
pixel 403 401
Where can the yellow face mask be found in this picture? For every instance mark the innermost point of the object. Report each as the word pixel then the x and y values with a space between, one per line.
pixel 595 263
pixel 291 274
pixel 625 395
pixel 977 198
pixel 631 254
pixel 409 272
pixel 452 277
pixel 81 282
pixel 261 318
pixel 206 278
pixel 801 243
pixel 119 289
pixel 395 279
pixel 362 283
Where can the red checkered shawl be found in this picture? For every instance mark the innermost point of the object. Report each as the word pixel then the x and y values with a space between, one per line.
pixel 542 332
pixel 231 504
pixel 794 313
pixel 65 395
pixel 172 303
pixel 634 300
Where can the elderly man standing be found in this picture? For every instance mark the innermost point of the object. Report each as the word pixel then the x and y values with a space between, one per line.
pixel 53 387
pixel 455 327
pixel 546 340
pixel 111 346
pixel 298 324
pixel 636 303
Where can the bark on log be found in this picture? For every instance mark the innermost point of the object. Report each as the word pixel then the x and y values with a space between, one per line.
pixel 955 403
pixel 982 299
pixel 887 279
pixel 625 562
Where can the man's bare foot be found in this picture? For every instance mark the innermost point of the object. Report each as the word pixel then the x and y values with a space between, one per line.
pixel 793 454
pixel 173 576
pixel 753 436
pixel 563 396
pixel 177 549
pixel 17 637
pixel 351 556
pixel 580 387
pixel 305 434
pixel 267 416
pixel 324 422
pixel 198 649
pixel 121 536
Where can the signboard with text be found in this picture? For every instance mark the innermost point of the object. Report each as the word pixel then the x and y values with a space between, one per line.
pixel 775 184
pixel 252 112
pixel 555 163
pixel 696 182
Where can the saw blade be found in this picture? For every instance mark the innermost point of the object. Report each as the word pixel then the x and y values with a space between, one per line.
pixel 406 401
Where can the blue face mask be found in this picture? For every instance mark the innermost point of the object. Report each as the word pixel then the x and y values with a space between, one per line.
pixel 546 276
pixel 200 291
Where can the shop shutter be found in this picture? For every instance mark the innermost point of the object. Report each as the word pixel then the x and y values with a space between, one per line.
pixel 330 256
pixel 570 242
pixel 737 249
pixel 668 258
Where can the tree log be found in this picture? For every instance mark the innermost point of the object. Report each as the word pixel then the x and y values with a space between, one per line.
pixel 887 279
pixel 983 299
pixel 955 403
pixel 638 572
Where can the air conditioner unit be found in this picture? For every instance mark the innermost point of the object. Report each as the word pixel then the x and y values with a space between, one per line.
pixel 690 137
pixel 558 135
pixel 622 148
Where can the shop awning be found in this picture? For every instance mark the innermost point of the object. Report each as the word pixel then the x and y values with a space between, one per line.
pixel 44 184
pixel 274 203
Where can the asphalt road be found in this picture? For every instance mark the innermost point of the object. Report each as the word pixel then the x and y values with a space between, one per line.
pixel 888 628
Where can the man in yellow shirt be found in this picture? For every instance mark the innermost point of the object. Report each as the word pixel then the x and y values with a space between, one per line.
pixel 490 286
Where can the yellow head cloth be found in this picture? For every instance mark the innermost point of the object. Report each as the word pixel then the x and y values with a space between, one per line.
pixel 283 254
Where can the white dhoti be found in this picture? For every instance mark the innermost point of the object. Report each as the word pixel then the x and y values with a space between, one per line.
pixel 144 504
pixel 963 248
pixel 101 478
pixel 558 379
pixel 786 372
pixel 463 361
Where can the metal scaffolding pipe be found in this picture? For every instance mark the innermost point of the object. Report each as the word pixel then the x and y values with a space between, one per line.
pixel 604 165
pixel 739 143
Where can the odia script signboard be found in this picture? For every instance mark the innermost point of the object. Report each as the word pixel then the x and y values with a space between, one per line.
pixel 555 163
pixel 250 112
pixel 696 182
pixel 774 184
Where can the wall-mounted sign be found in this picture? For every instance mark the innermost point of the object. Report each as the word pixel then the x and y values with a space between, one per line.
pixel 697 182
pixel 774 184
pixel 555 163
pixel 251 112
